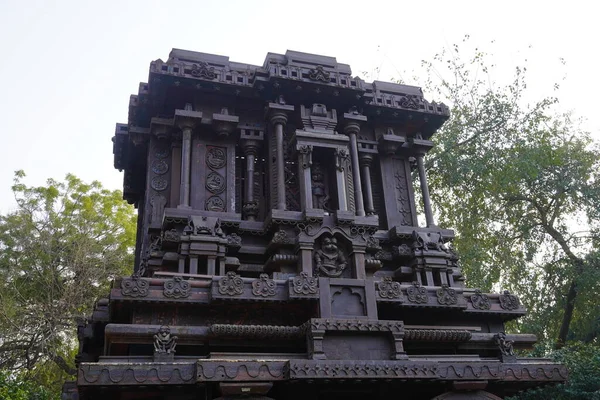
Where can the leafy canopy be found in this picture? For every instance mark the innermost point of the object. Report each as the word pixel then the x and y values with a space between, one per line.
pixel 59 250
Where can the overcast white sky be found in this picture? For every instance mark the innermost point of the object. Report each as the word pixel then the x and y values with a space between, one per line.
pixel 69 66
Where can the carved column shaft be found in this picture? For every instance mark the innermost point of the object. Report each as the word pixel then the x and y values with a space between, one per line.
pixel 340 165
pixel 351 130
pixel 250 205
pixel 279 121
pixel 425 191
pixel 304 173
pixel 368 187
pixel 186 158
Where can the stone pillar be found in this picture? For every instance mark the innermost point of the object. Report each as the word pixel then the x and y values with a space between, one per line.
pixel 279 119
pixel 351 129
pixel 250 206
pixel 425 191
pixel 341 159
pixel 186 158
pixel 305 177
pixel 186 120
pixel 277 114
pixel 193 264
pixel 366 160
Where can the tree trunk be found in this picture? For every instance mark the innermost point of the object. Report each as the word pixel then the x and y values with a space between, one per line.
pixel 568 315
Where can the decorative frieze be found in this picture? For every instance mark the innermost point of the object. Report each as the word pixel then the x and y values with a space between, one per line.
pixel 304 284
pixel 437 335
pixel 388 289
pixel 446 295
pixel 417 294
pixel 257 331
pixel 480 301
pixel 231 285
pixel 134 287
pixel 177 288
pixel 509 301
pixel 264 286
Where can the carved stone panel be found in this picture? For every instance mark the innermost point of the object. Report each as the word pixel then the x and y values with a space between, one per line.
pixel 339 346
pixel 401 183
pixel 216 179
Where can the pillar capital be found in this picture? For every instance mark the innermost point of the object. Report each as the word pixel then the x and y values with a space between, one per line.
pixel 277 113
pixel 187 119
pixel 250 147
pixel 366 159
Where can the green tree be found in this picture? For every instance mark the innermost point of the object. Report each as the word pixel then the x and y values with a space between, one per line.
pixel 583 362
pixel 17 387
pixel 59 250
pixel 521 186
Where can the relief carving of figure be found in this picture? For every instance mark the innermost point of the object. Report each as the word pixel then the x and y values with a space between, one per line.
pixel 164 343
pixel 329 259
pixel 319 192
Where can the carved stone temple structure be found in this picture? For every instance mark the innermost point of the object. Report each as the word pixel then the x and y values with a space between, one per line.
pixel 279 253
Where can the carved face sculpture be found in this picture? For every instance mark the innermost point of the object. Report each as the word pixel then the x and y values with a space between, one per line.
pixel 164 332
pixel 330 245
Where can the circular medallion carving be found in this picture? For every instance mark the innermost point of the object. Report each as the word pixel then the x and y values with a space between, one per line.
pixel 159 184
pixel 162 152
pixel 160 167
pixel 215 183
pixel 216 158
pixel 215 203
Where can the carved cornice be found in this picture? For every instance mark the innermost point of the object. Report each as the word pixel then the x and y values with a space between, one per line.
pixel 178 373
pixel 437 335
pixel 104 374
pixel 321 324
pixel 240 371
pixel 305 369
pixel 257 331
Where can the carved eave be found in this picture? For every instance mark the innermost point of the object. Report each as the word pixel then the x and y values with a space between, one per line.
pixel 118 373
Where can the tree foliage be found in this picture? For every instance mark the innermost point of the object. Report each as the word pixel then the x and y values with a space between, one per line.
pixel 520 184
pixel 583 362
pixel 18 387
pixel 58 251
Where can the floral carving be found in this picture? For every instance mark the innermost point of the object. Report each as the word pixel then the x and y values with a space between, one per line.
pixel 231 285
pixel 177 288
pixel 411 102
pixel 158 183
pixel 134 287
pixel 305 284
pixel 446 295
pixel 264 286
pixel 161 152
pixel 215 182
pixel 509 301
pixel 319 74
pixel 234 240
pixel 171 235
pixel 373 243
pixel 480 301
pixel 417 294
pixel 160 167
pixel 203 70
pixel 215 203
pixel 280 237
pixel 216 157
pixel 388 289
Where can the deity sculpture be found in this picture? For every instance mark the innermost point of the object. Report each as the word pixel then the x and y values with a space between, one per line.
pixel 164 343
pixel 329 259
pixel 319 193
